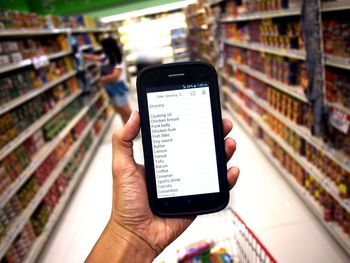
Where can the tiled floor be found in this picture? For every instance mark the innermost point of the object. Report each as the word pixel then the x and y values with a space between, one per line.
pixel 261 197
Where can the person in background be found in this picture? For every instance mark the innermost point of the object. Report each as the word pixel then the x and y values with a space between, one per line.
pixel 133 233
pixel 111 72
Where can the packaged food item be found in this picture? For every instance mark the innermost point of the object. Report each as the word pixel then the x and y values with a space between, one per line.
pixel 336 34
pixel 21 245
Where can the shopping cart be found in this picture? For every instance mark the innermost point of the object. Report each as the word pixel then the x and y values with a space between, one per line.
pixel 250 248
pixel 223 231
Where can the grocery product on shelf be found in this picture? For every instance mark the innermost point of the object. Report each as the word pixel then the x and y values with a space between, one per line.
pixel 12 166
pixel 57 123
pixel 331 209
pixel 284 34
pixel 21 83
pixel 14 20
pixel 21 245
pixel 201 21
pixel 14 122
pixel 336 34
pixel 283 69
pixel 47 124
pixel 238 8
pixel 16 50
pixel 337 86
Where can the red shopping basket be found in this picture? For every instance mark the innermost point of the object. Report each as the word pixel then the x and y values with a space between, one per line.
pixel 225 230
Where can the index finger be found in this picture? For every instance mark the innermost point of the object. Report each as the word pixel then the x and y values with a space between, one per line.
pixel 227 125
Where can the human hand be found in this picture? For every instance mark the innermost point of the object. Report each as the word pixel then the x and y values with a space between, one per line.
pixel 102 81
pixel 132 223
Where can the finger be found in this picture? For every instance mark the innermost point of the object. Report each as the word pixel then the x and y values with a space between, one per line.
pixel 122 139
pixel 232 176
pixel 227 125
pixel 230 148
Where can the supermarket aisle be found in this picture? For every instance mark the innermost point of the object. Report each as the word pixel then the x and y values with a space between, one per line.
pixel 261 197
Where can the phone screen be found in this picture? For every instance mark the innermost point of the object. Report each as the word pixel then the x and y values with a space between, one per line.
pixel 182 140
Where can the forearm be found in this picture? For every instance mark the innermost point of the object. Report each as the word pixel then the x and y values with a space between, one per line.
pixel 111 77
pixel 116 244
pixel 92 57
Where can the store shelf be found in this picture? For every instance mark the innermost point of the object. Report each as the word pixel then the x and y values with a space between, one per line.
pixel 339 107
pixel 86 30
pixel 54 217
pixel 197 13
pixel 59 54
pixel 28 62
pixel 333 228
pixel 44 152
pixel 339 5
pixel 35 92
pixel 295 91
pixel 32 32
pixel 262 15
pixel 325 182
pixel 338 62
pixel 16 65
pixel 9 147
pixel 291 53
pixel 85 47
pixel 54 31
pixel 21 220
pixel 337 156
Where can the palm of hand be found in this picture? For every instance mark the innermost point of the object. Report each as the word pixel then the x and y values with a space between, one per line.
pixel 136 216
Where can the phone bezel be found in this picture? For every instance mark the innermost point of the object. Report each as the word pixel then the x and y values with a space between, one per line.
pixel 185 72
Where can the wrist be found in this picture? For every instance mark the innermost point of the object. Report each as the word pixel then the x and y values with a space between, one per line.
pixel 131 245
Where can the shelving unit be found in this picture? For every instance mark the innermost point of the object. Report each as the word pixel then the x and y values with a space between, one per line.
pixel 261 15
pixel 41 241
pixel 43 32
pixel 338 157
pixel 21 220
pixel 294 91
pixel 29 62
pixel 291 53
pixel 333 229
pixel 312 170
pixel 16 226
pixel 36 125
pixel 43 153
pixel 337 62
pixel 21 99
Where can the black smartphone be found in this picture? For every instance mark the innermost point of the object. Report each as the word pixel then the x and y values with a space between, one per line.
pixel 183 140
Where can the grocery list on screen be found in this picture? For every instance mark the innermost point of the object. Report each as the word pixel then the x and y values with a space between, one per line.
pixel 183 140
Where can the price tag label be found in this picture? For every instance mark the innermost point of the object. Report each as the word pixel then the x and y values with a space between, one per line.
pixel 339 120
pixel 40 62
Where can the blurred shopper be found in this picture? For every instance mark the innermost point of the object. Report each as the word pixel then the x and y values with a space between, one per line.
pixel 111 76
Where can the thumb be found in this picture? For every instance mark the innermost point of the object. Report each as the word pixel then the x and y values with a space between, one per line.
pixel 122 139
